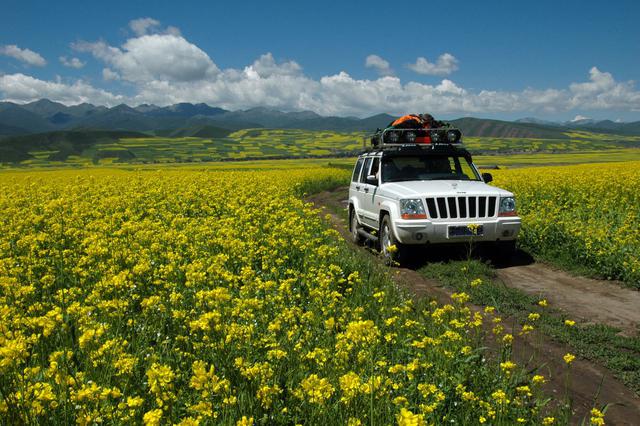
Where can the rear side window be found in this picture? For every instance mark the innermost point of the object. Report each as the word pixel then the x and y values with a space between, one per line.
pixel 375 166
pixel 356 170
pixel 363 175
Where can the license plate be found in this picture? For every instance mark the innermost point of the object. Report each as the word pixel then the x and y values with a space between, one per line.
pixel 465 231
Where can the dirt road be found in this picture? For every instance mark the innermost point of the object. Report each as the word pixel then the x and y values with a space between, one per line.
pixel 586 299
pixel 580 298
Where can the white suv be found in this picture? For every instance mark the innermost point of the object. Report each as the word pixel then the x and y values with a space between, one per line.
pixel 422 194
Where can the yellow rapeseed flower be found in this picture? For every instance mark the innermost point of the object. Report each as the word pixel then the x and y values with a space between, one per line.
pixel 568 358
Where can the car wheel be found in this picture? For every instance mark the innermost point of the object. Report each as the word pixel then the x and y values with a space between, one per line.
pixel 392 251
pixel 354 226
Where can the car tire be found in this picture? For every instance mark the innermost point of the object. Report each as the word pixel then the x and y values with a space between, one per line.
pixel 354 226
pixel 391 256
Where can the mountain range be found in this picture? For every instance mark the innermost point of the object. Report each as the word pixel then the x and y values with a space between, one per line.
pixel 186 119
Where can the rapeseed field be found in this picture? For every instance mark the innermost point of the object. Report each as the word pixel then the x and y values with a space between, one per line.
pixel 188 297
pixel 585 215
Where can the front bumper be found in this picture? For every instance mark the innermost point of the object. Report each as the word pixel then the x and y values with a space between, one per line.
pixel 428 232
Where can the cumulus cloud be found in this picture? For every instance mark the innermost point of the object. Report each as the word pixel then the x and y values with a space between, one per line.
pixel 379 64
pixel 71 63
pixel 266 66
pixel 445 65
pixel 263 83
pixel 283 85
pixel 580 118
pixel 142 25
pixel 23 88
pixel 161 67
pixel 27 56
pixel 602 91
pixel 153 57
pixel 108 74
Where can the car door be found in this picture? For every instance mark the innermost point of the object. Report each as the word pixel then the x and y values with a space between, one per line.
pixel 358 187
pixel 370 192
pixel 355 187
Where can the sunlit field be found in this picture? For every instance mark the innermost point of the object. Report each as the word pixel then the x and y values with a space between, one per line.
pixel 585 215
pixel 185 296
pixel 269 144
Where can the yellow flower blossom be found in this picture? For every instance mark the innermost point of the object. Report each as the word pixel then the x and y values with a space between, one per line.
pixel 153 417
pixel 568 358
pixel 407 418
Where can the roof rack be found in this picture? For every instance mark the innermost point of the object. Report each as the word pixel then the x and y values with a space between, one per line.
pixel 393 137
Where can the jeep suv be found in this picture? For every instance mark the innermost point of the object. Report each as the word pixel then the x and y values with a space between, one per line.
pixel 405 195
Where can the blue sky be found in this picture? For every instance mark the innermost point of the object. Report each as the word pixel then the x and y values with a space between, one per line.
pixel 553 60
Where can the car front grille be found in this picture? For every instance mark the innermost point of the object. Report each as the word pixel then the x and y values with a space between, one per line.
pixel 461 207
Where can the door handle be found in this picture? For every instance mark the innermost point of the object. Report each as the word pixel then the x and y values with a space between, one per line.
pixel 358 187
pixel 366 190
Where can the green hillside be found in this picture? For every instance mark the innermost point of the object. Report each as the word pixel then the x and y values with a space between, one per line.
pixel 507 129
pixel 60 146
pixel 100 147
pixel 209 143
pixel 569 142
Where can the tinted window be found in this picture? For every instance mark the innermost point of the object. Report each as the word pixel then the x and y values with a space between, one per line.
pixel 356 170
pixel 427 167
pixel 375 167
pixel 365 169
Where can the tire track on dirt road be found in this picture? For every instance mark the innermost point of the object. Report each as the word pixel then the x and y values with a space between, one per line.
pixel 593 301
pixel 588 379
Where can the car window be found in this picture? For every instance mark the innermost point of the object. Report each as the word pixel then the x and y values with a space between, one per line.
pixel 431 167
pixel 365 169
pixel 464 169
pixel 356 170
pixel 375 168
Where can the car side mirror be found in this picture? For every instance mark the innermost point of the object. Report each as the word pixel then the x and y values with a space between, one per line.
pixel 372 180
pixel 486 177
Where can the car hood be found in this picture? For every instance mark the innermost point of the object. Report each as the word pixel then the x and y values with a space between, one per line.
pixel 430 188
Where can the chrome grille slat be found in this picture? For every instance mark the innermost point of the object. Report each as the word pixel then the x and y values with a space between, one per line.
pixel 462 207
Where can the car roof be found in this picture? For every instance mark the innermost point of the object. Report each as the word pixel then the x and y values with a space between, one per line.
pixel 418 150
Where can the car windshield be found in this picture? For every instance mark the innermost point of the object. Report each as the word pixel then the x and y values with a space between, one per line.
pixel 427 167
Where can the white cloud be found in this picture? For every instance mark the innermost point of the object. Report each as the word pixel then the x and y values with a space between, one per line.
pixel 23 88
pixel 266 66
pixel 25 55
pixel 603 92
pixel 71 63
pixel 162 67
pixel 445 65
pixel 263 83
pixel 379 64
pixel 580 118
pixel 283 85
pixel 153 57
pixel 108 74
pixel 142 26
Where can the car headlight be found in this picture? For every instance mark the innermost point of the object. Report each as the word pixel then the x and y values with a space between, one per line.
pixel 507 206
pixel 412 209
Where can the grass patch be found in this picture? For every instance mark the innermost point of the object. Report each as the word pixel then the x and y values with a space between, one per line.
pixel 596 342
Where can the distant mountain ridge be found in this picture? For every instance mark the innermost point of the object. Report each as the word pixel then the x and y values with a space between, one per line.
pixel 191 119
